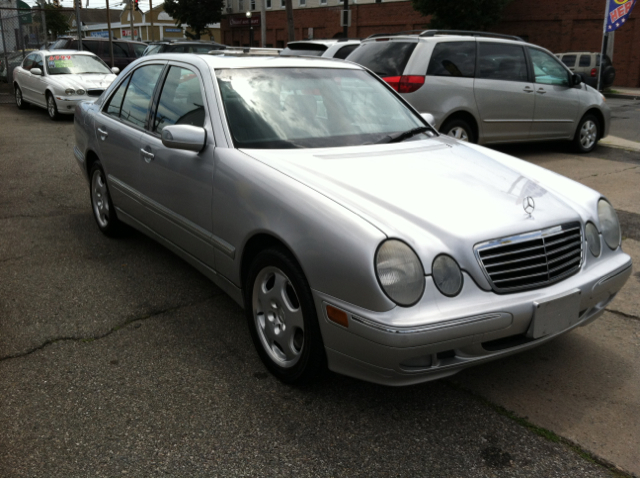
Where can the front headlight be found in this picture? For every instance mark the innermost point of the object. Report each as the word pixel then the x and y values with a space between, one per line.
pixel 400 272
pixel 80 92
pixel 447 275
pixel 609 224
pixel 69 91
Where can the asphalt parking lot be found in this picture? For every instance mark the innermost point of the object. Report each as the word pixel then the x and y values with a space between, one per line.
pixel 119 359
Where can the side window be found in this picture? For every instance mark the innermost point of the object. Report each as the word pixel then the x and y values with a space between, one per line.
pixel 91 46
pixel 547 69
pixel 585 61
pixel 455 59
pixel 569 60
pixel 119 51
pixel 344 51
pixel 137 100
pixel 27 64
pixel 138 50
pixel 181 100
pixel 178 49
pixel 38 63
pixel 502 61
pixel 115 102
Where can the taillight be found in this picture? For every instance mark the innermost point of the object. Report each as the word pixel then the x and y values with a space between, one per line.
pixel 405 83
pixel 594 72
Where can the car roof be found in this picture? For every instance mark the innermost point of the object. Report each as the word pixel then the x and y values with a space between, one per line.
pixel 101 39
pixel 230 59
pixel 579 53
pixel 65 52
pixel 446 35
pixel 327 42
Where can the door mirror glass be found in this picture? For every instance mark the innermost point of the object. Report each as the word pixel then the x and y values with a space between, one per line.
pixel 576 78
pixel 115 70
pixel 36 71
pixel 184 137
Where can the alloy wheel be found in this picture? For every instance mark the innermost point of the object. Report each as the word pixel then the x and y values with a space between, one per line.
pixel 588 134
pixel 458 133
pixel 100 198
pixel 278 317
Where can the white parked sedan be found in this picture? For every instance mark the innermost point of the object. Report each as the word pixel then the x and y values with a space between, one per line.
pixel 58 80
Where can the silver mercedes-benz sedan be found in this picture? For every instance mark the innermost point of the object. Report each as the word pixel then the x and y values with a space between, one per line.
pixel 355 236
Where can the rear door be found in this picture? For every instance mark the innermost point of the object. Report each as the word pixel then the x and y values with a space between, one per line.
pixel 119 127
pixel 177 185
pixel 557 102
pixel 504 95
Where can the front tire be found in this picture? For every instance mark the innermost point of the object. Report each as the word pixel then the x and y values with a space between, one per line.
pixel 20 103
pixel 282 318
pixel 587 134
pixel 103 211
pixel 52 108
pixel 459 129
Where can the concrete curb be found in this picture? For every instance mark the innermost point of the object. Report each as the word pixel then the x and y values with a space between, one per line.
pixel 622 96
pixel 615 142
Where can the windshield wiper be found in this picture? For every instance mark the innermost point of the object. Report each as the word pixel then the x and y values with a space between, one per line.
pixel 404 135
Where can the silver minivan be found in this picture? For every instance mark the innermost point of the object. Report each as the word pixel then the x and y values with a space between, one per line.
pixel 488 88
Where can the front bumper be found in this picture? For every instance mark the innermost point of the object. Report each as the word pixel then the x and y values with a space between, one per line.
pixel 446 335
pixel 67 105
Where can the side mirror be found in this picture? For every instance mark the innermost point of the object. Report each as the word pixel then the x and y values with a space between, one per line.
pixel 115 70
pixel 184 137
pixel 429 119
pixel 36 71
pixel 576 78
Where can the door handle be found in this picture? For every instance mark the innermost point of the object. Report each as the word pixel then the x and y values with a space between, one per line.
pixel 103 134
pixel 148 156
pixel 542 91
pixel 528 89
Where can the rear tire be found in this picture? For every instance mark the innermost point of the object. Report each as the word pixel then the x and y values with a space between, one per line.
pixel 20 103
pixel 587 134
pixel 282 318
pixel 103 211
pixel 459 129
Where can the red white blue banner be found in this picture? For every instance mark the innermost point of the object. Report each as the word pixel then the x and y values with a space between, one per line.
pixel 618 13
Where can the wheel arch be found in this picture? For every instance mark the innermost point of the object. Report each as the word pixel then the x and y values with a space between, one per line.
pixel 466 116
pixel 599 116
pixel 90 158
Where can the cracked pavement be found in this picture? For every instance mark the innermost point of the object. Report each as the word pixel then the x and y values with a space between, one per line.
pixel 119 359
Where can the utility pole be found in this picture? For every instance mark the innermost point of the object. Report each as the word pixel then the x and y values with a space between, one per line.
pixel 263 23
pixel 153 34
pixel 289 7
pixel 131 16
pixel 110 36
pixel 43 4
pixel 79 25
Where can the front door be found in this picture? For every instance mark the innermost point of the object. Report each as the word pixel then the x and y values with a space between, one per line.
pixel 557 101
pixel 178 184
pixel 504 95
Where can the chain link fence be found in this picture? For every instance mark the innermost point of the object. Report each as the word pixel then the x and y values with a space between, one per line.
pixel 22 31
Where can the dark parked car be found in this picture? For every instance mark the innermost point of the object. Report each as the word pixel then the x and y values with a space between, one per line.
pixel 124 51
pixel 182 46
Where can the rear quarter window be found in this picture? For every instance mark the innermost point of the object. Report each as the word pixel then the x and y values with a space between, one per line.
pixel 456 59
pixel 384 58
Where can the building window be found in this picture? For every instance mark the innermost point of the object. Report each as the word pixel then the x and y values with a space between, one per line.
pixel 282 4
pixel 241 5
pixel 268 3
pixel 253 5
pixel 323 2
pixel 303 3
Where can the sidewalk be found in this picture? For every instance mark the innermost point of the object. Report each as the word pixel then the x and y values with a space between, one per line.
pixel 617 142
pixel 623 92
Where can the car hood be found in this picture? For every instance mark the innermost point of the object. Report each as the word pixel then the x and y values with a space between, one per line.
pixel 438 195
pixel 91 81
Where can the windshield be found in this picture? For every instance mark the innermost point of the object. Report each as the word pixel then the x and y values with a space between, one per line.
pixel 74 64
pixel 311 108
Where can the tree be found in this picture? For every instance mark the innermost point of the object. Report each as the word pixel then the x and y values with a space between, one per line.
pixel 56 21
pixel 195 13
pixel 461 15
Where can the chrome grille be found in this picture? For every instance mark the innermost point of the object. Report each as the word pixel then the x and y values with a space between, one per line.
pixel 531 260
pixel 94 92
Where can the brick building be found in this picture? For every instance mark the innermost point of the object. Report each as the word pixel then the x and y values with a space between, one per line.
pixel 572 25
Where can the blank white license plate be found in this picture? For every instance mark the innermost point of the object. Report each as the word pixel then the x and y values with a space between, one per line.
pixel 555 314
